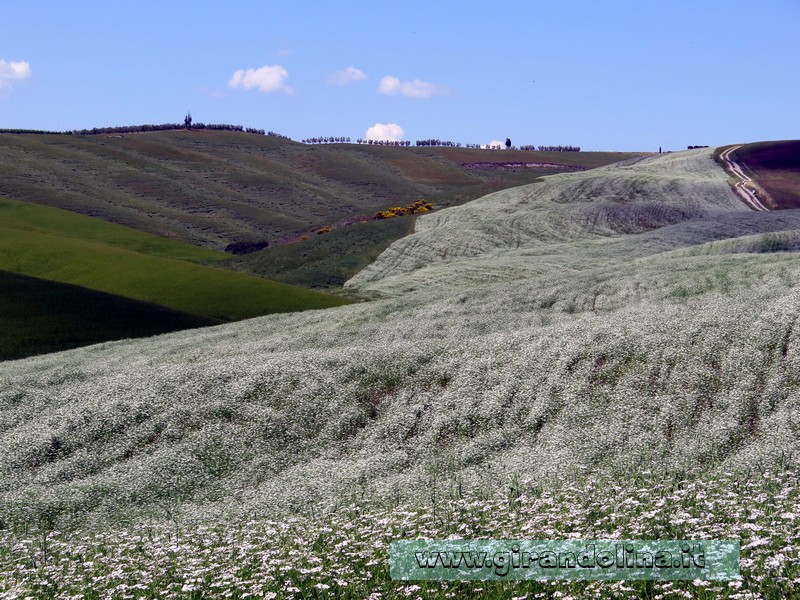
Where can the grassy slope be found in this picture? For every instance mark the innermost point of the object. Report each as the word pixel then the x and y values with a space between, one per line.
pixel 61 246
pixel 214 188
pixel 328 260
pixel 575 328
pixel 39 316
pixel 32 219
pixel 491 237
pixel 775 167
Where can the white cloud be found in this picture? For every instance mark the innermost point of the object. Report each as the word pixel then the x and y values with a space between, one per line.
pixel 266 79
pixel 385 131
pixel 495 143
pixel 13 71
pixel 413 89
pixel 349 75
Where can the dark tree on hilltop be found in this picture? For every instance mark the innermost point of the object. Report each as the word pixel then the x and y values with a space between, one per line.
pixel 508 143
pixel 187 121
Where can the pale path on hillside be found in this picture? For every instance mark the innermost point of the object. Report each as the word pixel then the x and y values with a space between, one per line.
pixel 741 186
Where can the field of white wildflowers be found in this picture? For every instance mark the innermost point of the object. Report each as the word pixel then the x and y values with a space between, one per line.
pixel 609 354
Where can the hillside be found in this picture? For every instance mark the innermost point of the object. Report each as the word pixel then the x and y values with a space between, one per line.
pixel 493 236
pixel 324 261
pixel 62 246
pixel 215 188
pixel 597 354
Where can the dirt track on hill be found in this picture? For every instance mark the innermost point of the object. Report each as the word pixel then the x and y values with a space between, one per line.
pixel 745 193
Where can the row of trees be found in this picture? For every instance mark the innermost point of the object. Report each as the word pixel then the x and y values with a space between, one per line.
pixel 552 148
pixel 148 128
pixel 188 124
pixel 167 127
pixel 395 143
pixel 435 142
pixel 34 131
pixel 328 140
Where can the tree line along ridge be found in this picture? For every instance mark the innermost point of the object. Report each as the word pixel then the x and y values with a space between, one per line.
pixel 146 129
pixel 188 124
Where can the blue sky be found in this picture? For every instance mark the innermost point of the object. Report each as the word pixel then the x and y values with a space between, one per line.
pixel 610 75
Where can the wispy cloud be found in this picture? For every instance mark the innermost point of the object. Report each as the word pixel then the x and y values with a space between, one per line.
pixel 346 76
pixel 385 131
pixel 13 71
pixel 392 86
pixel 267 79
pixel 212 92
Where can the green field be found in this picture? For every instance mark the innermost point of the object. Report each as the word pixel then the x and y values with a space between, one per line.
pixel 58 245
pixel 39 316
pixel 29 219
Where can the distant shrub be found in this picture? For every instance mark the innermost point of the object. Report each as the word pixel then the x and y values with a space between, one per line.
pixel 245 247
pixel 324 229
pixel 420 206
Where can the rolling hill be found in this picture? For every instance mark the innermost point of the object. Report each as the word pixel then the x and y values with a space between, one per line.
pixel 171 200
pixel 596 354
pixel 215 188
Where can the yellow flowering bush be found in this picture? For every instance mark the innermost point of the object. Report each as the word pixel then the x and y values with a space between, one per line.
pixel 420 206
